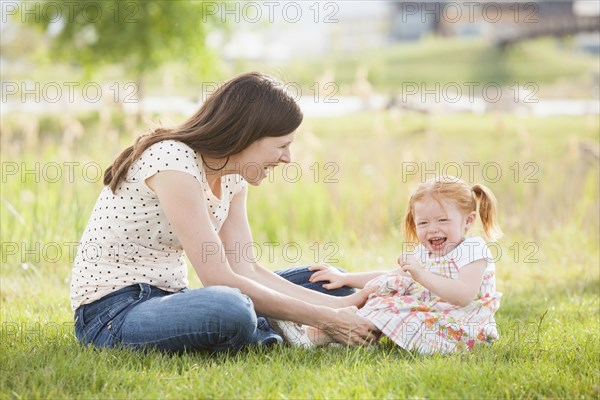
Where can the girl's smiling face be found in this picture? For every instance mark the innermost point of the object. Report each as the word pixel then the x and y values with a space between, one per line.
pixel 440 225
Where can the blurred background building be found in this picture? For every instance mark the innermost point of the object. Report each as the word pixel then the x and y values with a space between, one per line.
pixel 356 26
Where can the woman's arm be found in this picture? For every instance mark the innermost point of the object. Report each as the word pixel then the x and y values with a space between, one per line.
pixel 460 292
pixel 337 279
pixel 181 198
pixel 236 236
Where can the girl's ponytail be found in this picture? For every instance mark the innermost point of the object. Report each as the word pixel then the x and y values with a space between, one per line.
pixel 488 211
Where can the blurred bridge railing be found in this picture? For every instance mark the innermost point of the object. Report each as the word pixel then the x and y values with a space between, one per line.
pixel 554 25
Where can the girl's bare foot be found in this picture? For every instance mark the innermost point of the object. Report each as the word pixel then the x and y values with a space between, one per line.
pixel 318 336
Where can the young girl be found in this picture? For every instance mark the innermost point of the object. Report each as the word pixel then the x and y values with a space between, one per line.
pixel 443 297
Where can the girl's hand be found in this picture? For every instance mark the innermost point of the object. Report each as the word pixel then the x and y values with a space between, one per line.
pixel 326 272
pixel 401 272
pixel 409 264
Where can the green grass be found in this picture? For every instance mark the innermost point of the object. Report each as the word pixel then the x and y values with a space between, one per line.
pixel 548 268
pixel 447 60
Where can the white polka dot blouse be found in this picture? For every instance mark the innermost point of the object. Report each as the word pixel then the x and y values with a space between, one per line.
pixel 128 239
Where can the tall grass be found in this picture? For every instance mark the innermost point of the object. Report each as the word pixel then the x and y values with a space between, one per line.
pixel 341 201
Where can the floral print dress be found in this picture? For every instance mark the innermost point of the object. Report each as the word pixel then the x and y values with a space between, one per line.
pixel 416 319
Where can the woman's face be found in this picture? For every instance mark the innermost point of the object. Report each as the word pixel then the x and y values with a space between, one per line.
pixel 264 154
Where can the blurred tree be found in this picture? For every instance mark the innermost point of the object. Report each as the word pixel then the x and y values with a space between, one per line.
pixel 138 34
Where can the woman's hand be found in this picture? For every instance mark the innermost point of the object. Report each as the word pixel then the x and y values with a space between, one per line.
pixel 325 272
pixel 351 329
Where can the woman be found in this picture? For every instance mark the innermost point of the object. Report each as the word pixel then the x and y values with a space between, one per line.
pixel 184 189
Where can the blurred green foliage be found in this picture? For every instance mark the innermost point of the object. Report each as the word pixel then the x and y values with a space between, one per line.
pixel 141 35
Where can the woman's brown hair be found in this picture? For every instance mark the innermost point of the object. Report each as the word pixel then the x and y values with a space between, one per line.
pixel 241 111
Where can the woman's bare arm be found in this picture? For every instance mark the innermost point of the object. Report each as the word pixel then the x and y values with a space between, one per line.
pixel 181 197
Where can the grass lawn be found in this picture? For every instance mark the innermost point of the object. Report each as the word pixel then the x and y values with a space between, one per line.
pixel 344 206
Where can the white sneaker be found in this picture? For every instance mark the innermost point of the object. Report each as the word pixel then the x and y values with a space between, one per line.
pixel 292 333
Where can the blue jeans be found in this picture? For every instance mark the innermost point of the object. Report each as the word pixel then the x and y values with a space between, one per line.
pixel 215 318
